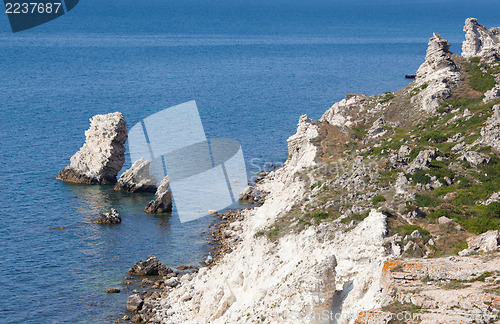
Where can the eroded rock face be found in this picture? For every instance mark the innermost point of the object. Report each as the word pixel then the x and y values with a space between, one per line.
pixel 480 41
pixel 151 267
pixel 111 217
pixel 299 144
pixel 490 135
pixel 137 178
pixel 474 158
pixel 103 154
pixel 340 114
pixel 163 201
pixel 437 75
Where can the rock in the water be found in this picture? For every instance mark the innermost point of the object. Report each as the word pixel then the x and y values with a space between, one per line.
pixel 103 154
pixel 113 290
pixel 163 201
pixel 151 267
pixel 247 194
pixel 134 303
pixel 474 158
pixel 111 217
pixel 480 41
pixel 490 135
pixel 486 242
pixel 436 76
pixel 137 178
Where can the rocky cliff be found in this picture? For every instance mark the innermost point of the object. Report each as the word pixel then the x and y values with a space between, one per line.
pixel 102 156
pixel 365 220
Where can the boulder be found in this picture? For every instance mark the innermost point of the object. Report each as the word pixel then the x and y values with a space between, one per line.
pixel 486 242
pixel 163 201
pixel 247 194
pixel 444 220
pixel 134 303
pixel 423 159
pixel 137 178
pixel 492 94
pixel 151 267
pixel 416 234
pixel 474 158
pixel 377 129
pixel 102 156
pixel 111 217
pixel 494 198
pixel 436 76
pixel 480 41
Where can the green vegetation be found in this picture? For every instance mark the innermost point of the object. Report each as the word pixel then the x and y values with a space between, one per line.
pixel 378 199
pixel 386 97
pixel 478 80
pixel 356 217
pixel 316 184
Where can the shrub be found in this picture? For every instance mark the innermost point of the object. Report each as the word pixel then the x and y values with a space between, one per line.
pixel 378 199
pixel 316 184
pixel 426 200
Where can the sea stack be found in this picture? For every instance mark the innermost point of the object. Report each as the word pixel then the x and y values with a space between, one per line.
pixel 103 154
pixel 137 178
pixel 163 201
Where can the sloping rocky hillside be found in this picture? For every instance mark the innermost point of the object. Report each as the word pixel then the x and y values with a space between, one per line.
pixel 366 219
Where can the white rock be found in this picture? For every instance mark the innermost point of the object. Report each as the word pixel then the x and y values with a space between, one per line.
pixel 444 220
pixel 490 135
pixel 137 178
pixel 340 113
pixel 439 73
pixel 492 94
pixel 163 201
pixel 480 41
pixel 416 234
pixel 102 156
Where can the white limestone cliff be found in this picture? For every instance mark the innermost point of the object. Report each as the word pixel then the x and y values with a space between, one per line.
pixel 102 156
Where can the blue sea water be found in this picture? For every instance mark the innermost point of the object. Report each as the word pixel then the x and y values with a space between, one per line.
pixel 252 66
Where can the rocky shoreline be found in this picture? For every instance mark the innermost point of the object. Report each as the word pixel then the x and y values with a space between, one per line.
pixel 343 228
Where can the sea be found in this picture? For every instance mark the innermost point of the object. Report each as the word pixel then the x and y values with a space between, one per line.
pixel 253 67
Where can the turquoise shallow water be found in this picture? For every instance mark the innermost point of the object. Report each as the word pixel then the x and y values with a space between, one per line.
pixel 253 69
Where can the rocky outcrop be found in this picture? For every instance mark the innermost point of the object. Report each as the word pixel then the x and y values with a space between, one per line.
pixel 486 242
pixel 377 129
pixel 492 94
pixel 111 217
pixel 480 41
pixel 151 267
pixel 340 114
pixel 137 178
pixel 436 76
pixel 300 147
pixel 422 161
pixel 163 201
pixel 474 158
pixel 103 154
pixel 494 198
pixel 490 135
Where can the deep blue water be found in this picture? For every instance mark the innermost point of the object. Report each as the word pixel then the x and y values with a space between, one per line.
pixel 253 68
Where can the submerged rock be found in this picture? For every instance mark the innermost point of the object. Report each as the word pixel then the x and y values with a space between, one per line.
pixel 137 178
pixel 113 291
pixel 102 156
pixel 436 76
pixel 163 201
pixel 480 41
pixel 151 267
pixel 111 217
